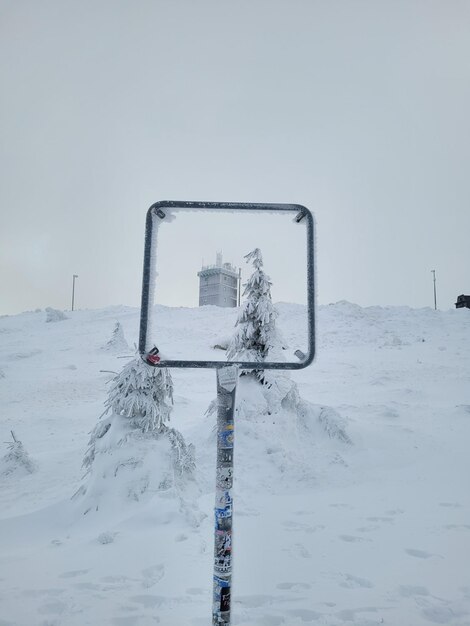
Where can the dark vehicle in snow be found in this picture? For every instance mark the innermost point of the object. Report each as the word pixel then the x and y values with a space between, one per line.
pixel 463 301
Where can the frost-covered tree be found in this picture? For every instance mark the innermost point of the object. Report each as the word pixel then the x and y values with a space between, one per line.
pixel 256 324
pixel 54 315
pixel 131 450
pixel 17 459
pixel 117 341
pixel 143 394
pixel 286 426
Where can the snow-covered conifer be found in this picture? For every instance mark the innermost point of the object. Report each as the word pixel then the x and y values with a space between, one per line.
pixel 131 445
pixel 256 325
pixel 275 411
pixel 140 393
pixel 16 459
pixel 54 315
pixel 117 341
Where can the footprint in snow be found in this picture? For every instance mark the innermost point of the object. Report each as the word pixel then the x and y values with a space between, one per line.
pixel 195 591
pixel 419 554
pixel 254 601
pixel 410 591
pixel 150 602
pixel 294 586
pixel 300 550
pixel 352 538
pixel 355 582
pixel 181 537
pixel 116 579
pixel 74 573
pixel 290 525
pixel 37 593
pixel 394 512
pixel 136 620
pixel 272 620
pixel 367 529
pixel 153 575
pixel 53 608
pixel 87 587
pixel 441 611
pixel 306 615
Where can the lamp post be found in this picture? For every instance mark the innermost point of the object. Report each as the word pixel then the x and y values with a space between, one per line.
pixel 433 272
pixel 239 285
pixel 73 288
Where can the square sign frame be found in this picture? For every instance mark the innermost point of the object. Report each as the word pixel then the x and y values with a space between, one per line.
pixel 157 212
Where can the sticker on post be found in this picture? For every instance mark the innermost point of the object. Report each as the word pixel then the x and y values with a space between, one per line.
pixel 223 542
pixel 226 436
pixel 223 519
pixel 224 477
pixel 223 551
pixel 223 564
pixel 221 596
pixel 225 600
pixel 223 500
pixel 225 402
pixel 225 455
pixel 228 377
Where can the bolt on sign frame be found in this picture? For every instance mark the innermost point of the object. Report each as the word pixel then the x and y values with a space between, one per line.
pixel 227 377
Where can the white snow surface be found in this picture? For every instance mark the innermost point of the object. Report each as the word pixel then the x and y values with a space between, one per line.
pixel 369 529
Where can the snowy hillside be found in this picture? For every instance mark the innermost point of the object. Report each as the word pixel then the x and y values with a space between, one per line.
pixel 359 516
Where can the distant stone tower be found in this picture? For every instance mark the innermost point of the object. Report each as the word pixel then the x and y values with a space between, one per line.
pixel 218 284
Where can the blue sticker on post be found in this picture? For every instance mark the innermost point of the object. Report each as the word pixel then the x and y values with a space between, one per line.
pixel 223 501
pixel 226 436
pixel 223 519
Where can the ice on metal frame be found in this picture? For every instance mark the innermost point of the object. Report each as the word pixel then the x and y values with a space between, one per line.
pixel 158 218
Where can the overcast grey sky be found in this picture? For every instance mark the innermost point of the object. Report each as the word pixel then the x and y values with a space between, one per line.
pixel 357 109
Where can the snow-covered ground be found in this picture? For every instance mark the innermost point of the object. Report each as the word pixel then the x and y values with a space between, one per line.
pixel 374 531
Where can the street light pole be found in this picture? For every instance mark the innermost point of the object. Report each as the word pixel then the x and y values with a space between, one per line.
pixel 433 272
pixel 73 289
pixel 239 285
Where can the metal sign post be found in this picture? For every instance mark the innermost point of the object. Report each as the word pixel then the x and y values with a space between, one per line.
pixel 227 378
pixel 227 375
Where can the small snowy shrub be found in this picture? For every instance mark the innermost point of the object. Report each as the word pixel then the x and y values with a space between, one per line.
pixel 54 315
pixel 105 538
pixel 17 460
pixel 117 342
pixel 333 424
